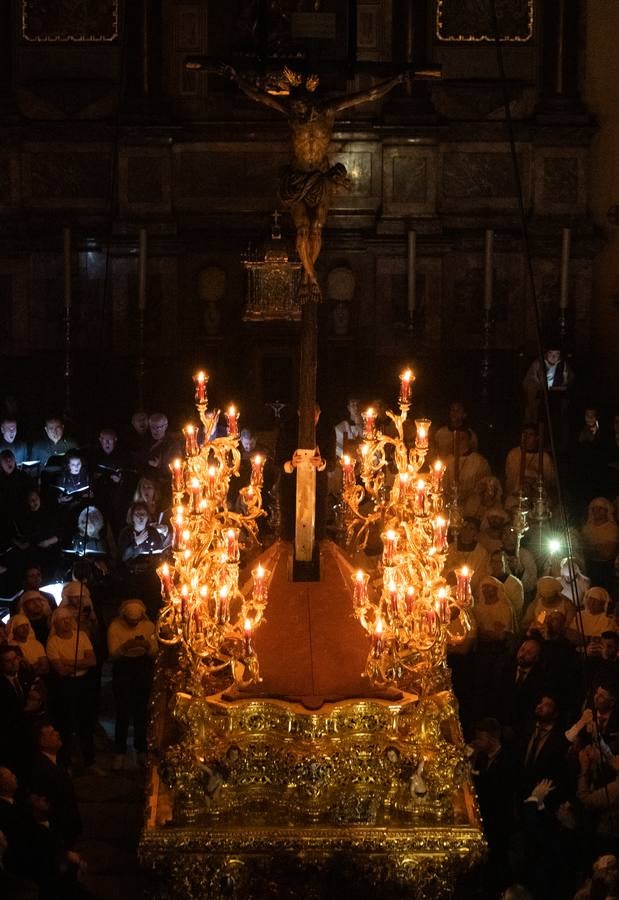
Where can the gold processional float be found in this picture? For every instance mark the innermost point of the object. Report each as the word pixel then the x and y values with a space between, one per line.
pixel 357 786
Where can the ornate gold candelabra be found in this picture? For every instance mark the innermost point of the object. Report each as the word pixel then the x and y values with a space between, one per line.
pixel 413 612
pixel 205 611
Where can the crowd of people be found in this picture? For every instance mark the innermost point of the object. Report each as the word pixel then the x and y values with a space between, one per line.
pixel 537 679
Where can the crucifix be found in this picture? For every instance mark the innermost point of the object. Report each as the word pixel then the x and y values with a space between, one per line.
pixel 306 191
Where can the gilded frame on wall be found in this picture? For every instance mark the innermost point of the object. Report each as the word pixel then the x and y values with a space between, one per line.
pixel 468 21
pixel 69 21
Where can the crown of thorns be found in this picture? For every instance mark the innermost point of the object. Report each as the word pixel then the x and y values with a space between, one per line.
pixel 294 80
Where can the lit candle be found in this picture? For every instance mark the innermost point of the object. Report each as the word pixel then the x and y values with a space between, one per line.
pixel 423 430
pixel 177 528
pixel 438 470
pixel 257 464
pixel 200 380
pixel 166 580
pixel 232 545
pixel 488 269
pixel 403 486
pixel 195 489
pixel 420 497
pixel 259 575
pixel 410 598
pixel 348 470
pixel 442 604
pixel 463 585
pixel 439 533
pixel 369 423
pixel 390 543
pixel 393 596
pixel 565 262
pixel 185 538
pixel 360 588
pixel 406 383
pixel 364 449
pixel 377 638
pixel 176 468
pixel 211 481
pixel 224 604
pixel 232 416
pixel 191 440
pixel 248 630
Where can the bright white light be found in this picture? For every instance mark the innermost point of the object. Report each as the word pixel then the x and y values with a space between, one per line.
pixel 554 545
pixel 55 590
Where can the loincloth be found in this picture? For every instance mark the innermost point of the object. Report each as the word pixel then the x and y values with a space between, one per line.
pixel 311 188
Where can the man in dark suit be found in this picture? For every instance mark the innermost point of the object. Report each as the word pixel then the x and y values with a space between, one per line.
pixel 523 684
pixel 15 684
pixel 50 779
pixel 493 772
pixel 543 751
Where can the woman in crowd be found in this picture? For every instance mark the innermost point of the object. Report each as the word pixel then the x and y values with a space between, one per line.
pixel 38 609
pixel 594 618
pixel 547 600
pixel 600 537
pixel 33 651
pixel 132 646
pixel 37 534
pixel 72 686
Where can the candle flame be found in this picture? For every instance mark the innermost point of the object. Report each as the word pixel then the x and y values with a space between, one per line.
pixel 224 591
pixel 231 533
pixel 438 466
pixel 360 576
pixel 232 410
pixel 369 413
pixel 404 477
pixel 440 522
pixel 200 377
pixel 259 571
pixel 165 570
pixel 184 591
pixel 379 626
pixel 391 535
pixel 392 587
pixel 212 471
pixel 247 624
pixel 203 591
pixel 186 534
pixel 189 429
pixel 364 449
pixel 257 460
pixel 421 484
pixel 346 460
pixel 177 464
pixel 464 571
pixel 410 591
pixel 195 484
pixel 406 375
pixel 442 593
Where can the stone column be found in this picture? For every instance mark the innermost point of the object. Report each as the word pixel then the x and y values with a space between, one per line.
pixel 142 51
pixel 560 49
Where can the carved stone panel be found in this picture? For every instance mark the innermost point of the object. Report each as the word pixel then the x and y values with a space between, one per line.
pixel 75 176
pixel 233 177
pixel 473 20
pixel 409 178
pixel 144 179
pixel 364 166
pixel 69 21
pixel 481 176
pixel 560 181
